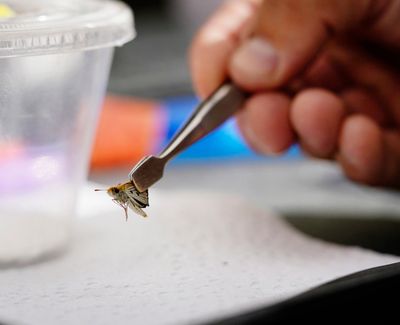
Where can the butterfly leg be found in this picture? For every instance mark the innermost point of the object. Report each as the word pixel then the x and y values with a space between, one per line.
pixel 126 213
pixel 123 206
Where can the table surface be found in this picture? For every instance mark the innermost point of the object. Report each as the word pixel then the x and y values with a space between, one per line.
pixel 177 266
pixel 200 255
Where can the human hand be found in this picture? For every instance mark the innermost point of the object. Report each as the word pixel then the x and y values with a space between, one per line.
pixel 324 73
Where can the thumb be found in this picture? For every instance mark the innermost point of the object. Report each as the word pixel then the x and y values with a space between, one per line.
pixel 288 36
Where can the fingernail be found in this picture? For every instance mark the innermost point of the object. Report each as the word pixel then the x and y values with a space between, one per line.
pixel 255 59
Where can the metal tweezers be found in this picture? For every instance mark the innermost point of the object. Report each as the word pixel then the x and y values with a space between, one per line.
pixel 209 115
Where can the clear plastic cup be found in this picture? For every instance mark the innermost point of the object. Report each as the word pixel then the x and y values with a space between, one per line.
pixel 55 57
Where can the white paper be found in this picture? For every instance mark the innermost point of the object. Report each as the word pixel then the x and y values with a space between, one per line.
pixel 198 256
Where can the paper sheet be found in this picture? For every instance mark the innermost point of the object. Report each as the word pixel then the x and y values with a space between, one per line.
pixel 198 256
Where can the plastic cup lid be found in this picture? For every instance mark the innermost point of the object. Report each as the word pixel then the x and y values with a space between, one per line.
pixel 55 26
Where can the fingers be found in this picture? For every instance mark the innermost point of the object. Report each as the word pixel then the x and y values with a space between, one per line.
pixel 266 45
pixel 361 150
pixel 265 123
pixel 384 27
pixel 217 40
pixel 359 101
pixel 270 122
pixel 324 74
pixel 391 166
pixel 373 75
pixel 368 153
pixel 288 36
pixel 317 116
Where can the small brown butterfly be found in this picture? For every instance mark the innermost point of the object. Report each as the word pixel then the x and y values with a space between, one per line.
pixel 127 196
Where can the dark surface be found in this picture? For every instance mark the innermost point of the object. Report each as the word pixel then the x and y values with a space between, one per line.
pixel 145 4
pixel 379 234
pixel 367 296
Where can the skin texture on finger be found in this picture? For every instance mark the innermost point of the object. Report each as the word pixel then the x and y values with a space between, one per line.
pixel 361 153
pixel 217 40
pixel 288 37
pixel 322 73
pixel 369 73
pixel 359 101
pixel 385 25
pixel 265 123
pixel 297 30
pixel 316 116
pixel 392 159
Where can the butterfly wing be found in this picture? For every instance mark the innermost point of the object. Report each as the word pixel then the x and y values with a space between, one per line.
pixel 141 199
pixel 137 209
pixel 137 201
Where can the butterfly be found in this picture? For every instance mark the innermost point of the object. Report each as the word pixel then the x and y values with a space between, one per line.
pixel 126 195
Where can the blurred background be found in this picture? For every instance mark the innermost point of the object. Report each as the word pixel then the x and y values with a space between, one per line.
pixel 155 63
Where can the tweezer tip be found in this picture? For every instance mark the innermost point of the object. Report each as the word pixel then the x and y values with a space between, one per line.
pixel 146 172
